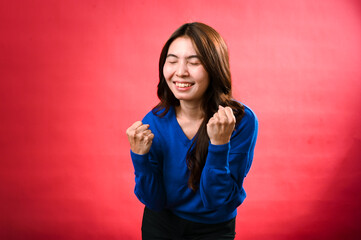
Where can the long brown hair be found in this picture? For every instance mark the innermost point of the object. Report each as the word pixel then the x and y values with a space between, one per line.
pixel 213 53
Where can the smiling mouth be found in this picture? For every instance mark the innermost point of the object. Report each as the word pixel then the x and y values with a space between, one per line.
pixel 183 85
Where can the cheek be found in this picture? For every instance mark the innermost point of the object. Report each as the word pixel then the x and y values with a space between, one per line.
pixel 166 72
pixel 203 78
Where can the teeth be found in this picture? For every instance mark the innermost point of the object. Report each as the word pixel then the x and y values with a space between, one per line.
pixel 183 84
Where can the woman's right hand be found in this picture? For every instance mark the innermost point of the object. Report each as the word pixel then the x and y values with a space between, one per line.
pixel 140 138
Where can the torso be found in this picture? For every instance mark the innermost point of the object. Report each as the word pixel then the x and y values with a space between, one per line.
pixel 189 127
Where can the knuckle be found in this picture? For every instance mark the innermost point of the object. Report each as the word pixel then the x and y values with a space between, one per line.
pixel 140 136
pixel 229 120
pixel 129 133
pixel 136 131
pixel 130 130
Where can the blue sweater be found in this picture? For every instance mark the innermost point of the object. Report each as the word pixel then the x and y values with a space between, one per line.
pixel 161 176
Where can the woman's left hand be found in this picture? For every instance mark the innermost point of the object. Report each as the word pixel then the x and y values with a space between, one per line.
pixel 221 126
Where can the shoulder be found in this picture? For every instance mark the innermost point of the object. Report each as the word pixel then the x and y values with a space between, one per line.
pixel 160 128
pixel 245 134
pixel 150 117
pixel 249 119
pixel 155 116
pixel 247 116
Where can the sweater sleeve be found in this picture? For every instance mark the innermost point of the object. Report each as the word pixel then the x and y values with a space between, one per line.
pixel 227 165
pixel 149 187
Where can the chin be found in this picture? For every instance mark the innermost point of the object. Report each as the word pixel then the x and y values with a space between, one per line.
pixel 182 97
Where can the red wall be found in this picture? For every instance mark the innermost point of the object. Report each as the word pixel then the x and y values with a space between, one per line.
pixel 75 74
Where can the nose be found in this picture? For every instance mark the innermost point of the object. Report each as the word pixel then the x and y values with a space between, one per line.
pixel 182 69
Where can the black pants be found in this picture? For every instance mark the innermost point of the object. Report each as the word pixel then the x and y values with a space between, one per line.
pixel 165 225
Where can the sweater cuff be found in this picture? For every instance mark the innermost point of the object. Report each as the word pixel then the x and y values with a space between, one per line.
pixel 218 155
pixel 140 162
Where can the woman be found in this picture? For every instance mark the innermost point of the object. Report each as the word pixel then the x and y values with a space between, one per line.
pixel 192 152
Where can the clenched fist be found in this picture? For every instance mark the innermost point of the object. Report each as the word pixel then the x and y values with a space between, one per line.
pixel 221 126
pixel 140 138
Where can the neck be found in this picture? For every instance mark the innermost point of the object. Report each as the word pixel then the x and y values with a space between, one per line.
pixel 191 111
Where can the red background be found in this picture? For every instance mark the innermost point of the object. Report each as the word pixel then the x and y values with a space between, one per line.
pixel 75 74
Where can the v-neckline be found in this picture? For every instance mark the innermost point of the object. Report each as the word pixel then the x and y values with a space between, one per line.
pixel 183 137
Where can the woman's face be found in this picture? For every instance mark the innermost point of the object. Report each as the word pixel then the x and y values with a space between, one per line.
pixel 184 72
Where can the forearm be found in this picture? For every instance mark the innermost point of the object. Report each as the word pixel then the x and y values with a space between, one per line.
pixel 149 187
pixel 218 186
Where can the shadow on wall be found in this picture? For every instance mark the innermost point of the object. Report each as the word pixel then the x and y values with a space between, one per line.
pixel 337 215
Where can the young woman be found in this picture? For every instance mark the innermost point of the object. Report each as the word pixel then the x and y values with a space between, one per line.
pixel 192 152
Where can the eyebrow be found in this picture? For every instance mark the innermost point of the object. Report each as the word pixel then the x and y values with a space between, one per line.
pixel 189 57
